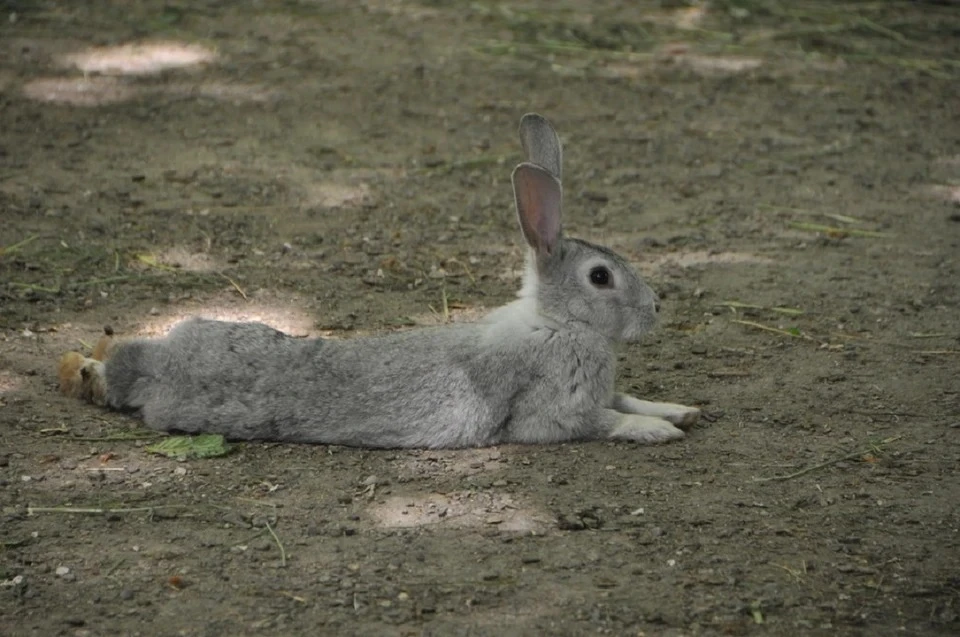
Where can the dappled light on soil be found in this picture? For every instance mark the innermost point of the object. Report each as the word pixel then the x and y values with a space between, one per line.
pixel 8 383
pixel 947 193
pixel 690 258
pixel 98 91
pixel 143 58
pixel 287 319
pixel 338 195
pixel 79 91
pixel 463 509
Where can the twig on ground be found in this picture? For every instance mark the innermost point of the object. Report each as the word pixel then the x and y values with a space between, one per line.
pixel 235 286
pixel 876 448
pixel 32 510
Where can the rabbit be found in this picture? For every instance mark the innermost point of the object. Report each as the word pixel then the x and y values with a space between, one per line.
pixel 537 370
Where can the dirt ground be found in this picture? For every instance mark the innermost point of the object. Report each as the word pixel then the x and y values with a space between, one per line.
pixel 787 178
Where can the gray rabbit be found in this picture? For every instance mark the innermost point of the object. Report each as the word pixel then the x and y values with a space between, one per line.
pixel 537 370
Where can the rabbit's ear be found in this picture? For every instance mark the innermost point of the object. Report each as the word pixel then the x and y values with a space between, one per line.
pixel 539 197
pixel 541 144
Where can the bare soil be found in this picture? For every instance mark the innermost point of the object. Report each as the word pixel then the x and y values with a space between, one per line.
pixel 340 168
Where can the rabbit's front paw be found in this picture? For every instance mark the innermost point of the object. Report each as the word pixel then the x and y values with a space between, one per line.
pixel 644 429
pixel 679 415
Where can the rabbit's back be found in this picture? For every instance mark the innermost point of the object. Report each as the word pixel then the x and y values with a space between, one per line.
pixel 248 381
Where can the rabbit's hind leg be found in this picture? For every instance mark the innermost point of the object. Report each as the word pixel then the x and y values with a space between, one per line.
pixel 679 415
pixel 86 378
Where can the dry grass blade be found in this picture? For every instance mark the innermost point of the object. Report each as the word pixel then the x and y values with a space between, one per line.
pixel 737 305
pixel 283 551
pixel 812 213
pixel 836 231
pixel 17 246
pixel 774 330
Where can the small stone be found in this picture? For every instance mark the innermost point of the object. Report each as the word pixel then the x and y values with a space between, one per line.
pixel 180 471
pixel 403 596
pixel 593 195
pixel 699 350
pixel 62 570
pixel 126 594
pixel 154 312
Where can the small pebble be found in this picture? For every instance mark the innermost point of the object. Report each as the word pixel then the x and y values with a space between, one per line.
pixel 62 570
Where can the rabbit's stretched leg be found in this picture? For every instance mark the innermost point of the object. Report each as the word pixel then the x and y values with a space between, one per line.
pixel 679 415
pixel 86 378
pixel 639 428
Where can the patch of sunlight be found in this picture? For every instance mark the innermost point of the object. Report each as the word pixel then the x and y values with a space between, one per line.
pixel 80 91
pixel 9 383
pixel 945 192
pixel 434 463
pixel 287 318
pixel 680 53
pixel 408 9
pixel 691 258
pixel 723 63
pixel 139 58
pixel 338 195
pixel 458 510
pixel 97 90
pixel 222 91
pixel 436 315
pixel 179 258
pixel 685 18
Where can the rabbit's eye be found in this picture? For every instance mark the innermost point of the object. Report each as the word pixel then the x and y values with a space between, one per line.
pixel 601 277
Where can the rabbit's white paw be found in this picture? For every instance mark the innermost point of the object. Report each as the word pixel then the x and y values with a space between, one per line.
pixel 644 429
pixel 679 415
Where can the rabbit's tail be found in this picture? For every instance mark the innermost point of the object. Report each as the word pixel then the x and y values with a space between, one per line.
pixel 85 378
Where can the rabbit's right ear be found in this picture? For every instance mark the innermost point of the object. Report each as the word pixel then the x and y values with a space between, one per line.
pixel 539 198
pixel 541 144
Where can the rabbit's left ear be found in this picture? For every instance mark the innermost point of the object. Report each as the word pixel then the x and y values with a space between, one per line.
pixel 541 144
pixel 539 197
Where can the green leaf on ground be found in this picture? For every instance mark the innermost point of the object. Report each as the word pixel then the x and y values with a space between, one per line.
pixel 202 446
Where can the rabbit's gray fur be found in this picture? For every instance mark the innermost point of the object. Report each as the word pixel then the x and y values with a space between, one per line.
pixel 540 369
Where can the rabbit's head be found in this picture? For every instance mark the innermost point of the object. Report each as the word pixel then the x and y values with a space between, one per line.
pixel 576 283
